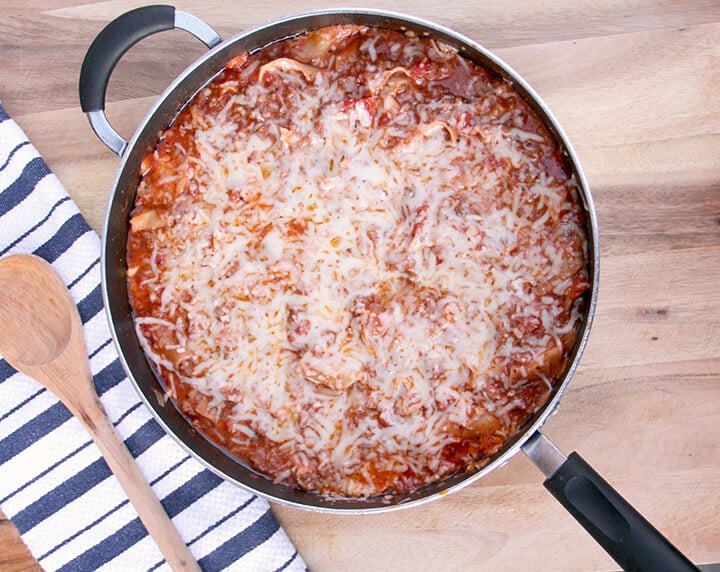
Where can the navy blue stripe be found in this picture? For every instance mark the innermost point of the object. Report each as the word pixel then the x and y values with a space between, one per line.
pixel 3 114
pixel 104 516
pixel 284 566
pixel 88 269
pixel 61 495
pixel 34 228
pixel 185 495
pixel 55 415
pixel 83 530
pixel 10 155
pixel 97 350
pixel 6 370
pixel 109 377
pixel 79 484
pixel 140 441
pixel 46 471
pixel 89 306
pixel 66 457
pixel 35 429
pixel 23 402
pixel 242 543
pixel 72 229
pixel 130 534
pixel 223 519
pixel 109 548
pixel 170 470
pixel 211 528
pixel 128 412
pixel 17 191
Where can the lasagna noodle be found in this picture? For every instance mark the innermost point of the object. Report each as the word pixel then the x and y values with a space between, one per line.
pixel 357 261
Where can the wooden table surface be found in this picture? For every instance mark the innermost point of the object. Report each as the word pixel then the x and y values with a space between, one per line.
pixel 636 85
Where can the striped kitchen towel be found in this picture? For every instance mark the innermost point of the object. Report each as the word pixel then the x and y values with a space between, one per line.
pixel 54 485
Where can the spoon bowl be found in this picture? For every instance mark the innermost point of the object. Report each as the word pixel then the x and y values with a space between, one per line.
pixel 34 305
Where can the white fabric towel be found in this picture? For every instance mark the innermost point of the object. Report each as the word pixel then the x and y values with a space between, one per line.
pixel 54 485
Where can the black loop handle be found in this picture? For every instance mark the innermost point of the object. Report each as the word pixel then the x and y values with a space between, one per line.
pixel 621 530
pixel 112 43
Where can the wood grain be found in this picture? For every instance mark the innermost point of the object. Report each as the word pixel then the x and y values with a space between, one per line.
pixel 635 86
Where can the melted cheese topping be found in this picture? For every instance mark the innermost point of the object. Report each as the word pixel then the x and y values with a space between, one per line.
pixel 357 262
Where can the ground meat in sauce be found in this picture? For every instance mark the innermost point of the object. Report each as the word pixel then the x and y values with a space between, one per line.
pixel 383 370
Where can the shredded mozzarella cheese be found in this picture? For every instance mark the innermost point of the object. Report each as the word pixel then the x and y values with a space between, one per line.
pixel 354 290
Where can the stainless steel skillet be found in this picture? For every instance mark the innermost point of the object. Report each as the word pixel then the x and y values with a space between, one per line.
pixel 623 532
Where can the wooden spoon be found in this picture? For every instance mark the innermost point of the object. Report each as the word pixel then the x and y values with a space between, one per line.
pixel 41 335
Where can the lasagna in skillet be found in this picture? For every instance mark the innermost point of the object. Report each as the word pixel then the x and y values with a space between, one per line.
pixel 357 261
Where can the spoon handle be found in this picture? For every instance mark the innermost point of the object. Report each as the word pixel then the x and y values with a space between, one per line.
pixel 121 463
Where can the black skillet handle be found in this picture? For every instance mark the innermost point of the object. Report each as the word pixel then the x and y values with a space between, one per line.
pixel 112 43
pixel 621 530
